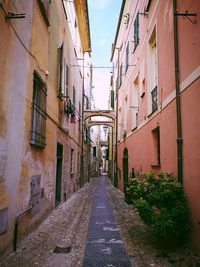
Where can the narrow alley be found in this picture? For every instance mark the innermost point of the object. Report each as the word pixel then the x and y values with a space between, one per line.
pixel 99 133
pixel 83 232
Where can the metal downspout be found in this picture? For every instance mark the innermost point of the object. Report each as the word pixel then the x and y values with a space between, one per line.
pixel 178 101
pixel 116 122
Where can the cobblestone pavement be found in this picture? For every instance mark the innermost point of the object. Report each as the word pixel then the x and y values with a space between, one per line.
pixel 140 243
pixel 61 238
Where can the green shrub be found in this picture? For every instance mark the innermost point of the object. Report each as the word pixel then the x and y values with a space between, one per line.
pixel 161 203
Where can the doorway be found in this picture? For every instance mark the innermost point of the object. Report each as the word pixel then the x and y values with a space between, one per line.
pixel 125 169
pixel 58 174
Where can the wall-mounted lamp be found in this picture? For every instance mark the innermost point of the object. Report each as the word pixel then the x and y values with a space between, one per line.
pixel 127 16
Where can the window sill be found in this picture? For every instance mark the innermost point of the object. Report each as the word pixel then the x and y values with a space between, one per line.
pixel 153 112
pixel 135 128
pixel 35 144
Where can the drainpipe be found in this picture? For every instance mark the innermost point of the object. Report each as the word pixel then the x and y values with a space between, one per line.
pixel 16 226
pixel 82 140
pixel 178 101
pixel 116 120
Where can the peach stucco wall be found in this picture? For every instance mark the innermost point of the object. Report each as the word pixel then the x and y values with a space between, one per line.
pixel 139 141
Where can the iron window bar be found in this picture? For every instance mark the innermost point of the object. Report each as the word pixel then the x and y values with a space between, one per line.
pixel 154 98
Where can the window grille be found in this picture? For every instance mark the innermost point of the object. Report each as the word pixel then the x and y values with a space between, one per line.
pixel 154 98
pixel 38 129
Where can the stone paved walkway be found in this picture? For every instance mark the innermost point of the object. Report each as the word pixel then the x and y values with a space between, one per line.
pixel 104 244
pixel 67 227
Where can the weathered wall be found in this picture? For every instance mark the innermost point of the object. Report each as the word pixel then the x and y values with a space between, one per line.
pixel 139 141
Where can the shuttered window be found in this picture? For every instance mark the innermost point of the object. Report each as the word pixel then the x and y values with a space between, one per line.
pixel 112 99
pixel 136 31
pixel 38 129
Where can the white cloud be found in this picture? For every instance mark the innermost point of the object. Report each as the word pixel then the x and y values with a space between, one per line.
pixel 102 41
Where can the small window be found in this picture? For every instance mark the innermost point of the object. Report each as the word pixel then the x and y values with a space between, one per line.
pixel 136 31
pixel 112 101
pixel 74 96
pixel 156 147
pixel 38 129
pixel 94 153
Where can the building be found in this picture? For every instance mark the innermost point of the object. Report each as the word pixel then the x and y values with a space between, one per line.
pixel 44 48
pixel 156 57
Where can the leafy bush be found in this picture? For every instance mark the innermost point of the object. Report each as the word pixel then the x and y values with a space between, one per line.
pixel 161 203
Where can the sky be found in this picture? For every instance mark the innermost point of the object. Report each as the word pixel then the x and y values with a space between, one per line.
pixel 103 17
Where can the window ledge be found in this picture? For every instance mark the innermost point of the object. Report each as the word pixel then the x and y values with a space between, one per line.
pixel 153 112
pixel 134 128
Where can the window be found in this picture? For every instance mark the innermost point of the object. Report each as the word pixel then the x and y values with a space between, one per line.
pixel 152 80
pixel 134 104
pixel 136 31
pixel 127 55
pixel 44 7
pixel 94 152
pixel 156 147
pixel 125 109
pixel 66 92
pixel 38 129
pixel 60 82
pixel 112 99
pixel 74 96
pixel 154 99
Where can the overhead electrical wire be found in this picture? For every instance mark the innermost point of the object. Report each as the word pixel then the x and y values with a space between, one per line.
pixel 100 67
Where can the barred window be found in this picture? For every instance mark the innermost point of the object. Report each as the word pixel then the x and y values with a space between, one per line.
pixel 154 98
pixel 38 129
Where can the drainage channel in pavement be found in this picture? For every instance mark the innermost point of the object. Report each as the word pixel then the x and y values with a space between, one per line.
pixel 104 244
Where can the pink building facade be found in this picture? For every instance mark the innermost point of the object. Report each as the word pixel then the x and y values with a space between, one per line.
pixel 156 58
